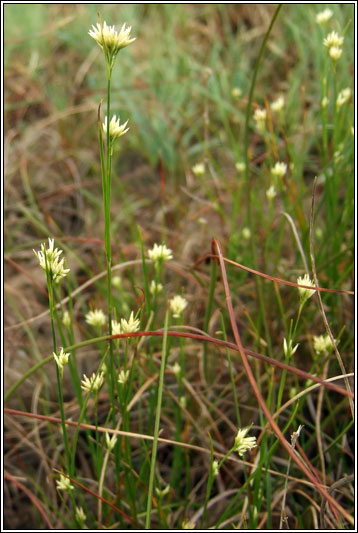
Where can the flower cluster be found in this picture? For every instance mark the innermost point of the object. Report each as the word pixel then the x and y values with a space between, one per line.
pixel 49 260
pixel 110 40
pixel 288 349
pixel 177 305
pixel 94 383
pixel 278 104
pixel 305 294
pixel 279 169
pixel 123 377
pixel 116 130
pixel 198 169
pixel 111 441
pixel 322 343
pixel 260 118
pixel 96 318
pixel 343 96
pixel 324 16
pixel 242 443
pixel 131 325
pixel 160 253
pixel 64 483
pixel 333 42
pixel 61 359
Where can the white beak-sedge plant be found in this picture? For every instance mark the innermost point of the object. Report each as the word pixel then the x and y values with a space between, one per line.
pixel 50 262
pixel 111 43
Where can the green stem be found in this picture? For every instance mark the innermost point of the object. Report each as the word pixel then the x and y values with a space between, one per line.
pixel 157 421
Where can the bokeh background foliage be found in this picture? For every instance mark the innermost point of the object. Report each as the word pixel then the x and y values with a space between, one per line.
pixel 174 85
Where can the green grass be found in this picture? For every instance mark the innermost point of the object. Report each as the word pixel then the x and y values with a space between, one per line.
pixel 174 85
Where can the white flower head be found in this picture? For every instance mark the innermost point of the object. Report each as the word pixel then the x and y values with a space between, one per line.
pixel 94 383
pixel 116 328
pixel 80 515
pixel 215 468
pixel 333 39
pixel 160 253
pixel 110 40
pixel 176 368
pixel 61 359
pixel 322 343
pixel 50 262
pixel 236 92
pixel 123 376
pixel 240 166
pixel 111 441
pixel 162 492
pixel 155 288
pixel 343 96
pixel 278 104
pixel 288 349
pixel 271 193
pixel 198 169
pixel 246 233
pixel 324 102
pixel 66 319
pixel 117 281
pixel 324 16
pixel 116 130
pixel 64 483
pixel 188 524
pixel 335 53
pixel 305 294
pixel 96 318
pixel 242 443
pixel 279 169
pixel 177 305
pixel 260 118
pixel 131 325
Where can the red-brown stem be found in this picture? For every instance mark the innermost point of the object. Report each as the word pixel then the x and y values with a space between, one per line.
pixel 251 378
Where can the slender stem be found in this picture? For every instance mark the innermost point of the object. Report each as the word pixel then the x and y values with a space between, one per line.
pixel 157 421
pixel 58 372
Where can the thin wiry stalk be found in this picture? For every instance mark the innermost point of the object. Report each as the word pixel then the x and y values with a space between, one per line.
pixel 157 421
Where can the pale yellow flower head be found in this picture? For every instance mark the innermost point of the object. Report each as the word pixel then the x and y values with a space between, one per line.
pixel 50 262
pixel 116 328
pixel 177 305
pixel 159 253
pixel 131 325
pixel 80 514
pixel 111 40
pixel 271 193
pixel 279 169
pixel 116 130
pixel 96 318
pixel 123 376
pixel 343 96
pixel 333 39
pixel 111 441
pixel 61 359
pixel 335 53
pixel 324 16
pixel 94 383
pixel 240 166
pixel 236 92
pixel 305 294
pixel 278 104
pixel 260 118
pixel 242 443
pixel 64 483
pixel 198 169
pixel 322 343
